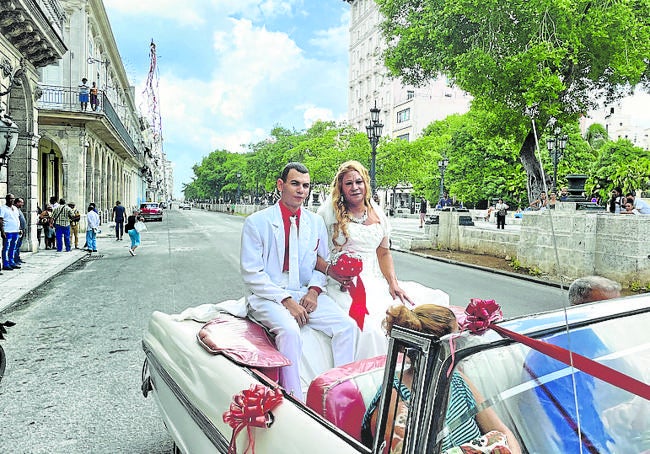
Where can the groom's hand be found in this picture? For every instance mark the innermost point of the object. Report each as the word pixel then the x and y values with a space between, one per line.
pixel 298 312
pixel 310 301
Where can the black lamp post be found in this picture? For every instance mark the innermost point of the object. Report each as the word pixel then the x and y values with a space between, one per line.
pixel 442 165
pixel 373 129
pixel 556 145
pixel 238 186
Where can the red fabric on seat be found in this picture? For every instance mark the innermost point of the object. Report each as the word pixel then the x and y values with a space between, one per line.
pixel 336 396
pixel 244 342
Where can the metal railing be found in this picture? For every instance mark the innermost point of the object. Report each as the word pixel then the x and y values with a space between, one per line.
pixel 66 99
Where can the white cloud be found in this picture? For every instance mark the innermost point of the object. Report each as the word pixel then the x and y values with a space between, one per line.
pixel 190 13
pixel 335 40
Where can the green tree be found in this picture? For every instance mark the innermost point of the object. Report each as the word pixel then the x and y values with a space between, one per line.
pixel 532 63
pixel 619 164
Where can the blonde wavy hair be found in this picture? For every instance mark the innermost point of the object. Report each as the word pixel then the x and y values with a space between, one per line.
pixel 338 200
pixel 426 318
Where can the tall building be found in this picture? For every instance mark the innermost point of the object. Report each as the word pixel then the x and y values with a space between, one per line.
pixel 405 110
pixel 78 133
pixel 625 119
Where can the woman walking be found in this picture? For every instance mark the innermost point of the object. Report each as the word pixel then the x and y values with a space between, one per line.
pixel 133 233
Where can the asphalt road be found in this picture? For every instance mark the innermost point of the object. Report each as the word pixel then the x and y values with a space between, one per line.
pixel 72 383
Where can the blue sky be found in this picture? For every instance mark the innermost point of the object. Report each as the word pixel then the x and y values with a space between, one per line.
pixel 230 70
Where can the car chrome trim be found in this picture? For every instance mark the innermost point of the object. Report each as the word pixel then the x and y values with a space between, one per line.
pixel 211 432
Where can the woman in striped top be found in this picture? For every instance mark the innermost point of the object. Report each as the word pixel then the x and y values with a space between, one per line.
pixel 463 401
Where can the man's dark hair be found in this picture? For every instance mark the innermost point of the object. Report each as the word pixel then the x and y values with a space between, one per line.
pixel 53 199
pixel 61 201
pixel 292 165
pixel 18 199
pixel 117 203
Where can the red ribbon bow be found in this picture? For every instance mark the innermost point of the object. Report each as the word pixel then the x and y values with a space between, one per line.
pixel 251 408
pixel 481 315
pixel 350 266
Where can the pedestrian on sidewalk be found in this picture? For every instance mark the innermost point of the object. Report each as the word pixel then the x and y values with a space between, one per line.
pixel 19 203
pixel 74 224
pixel 92 219
pixel 45 219
pixel 118 215
pixel 11 231
pixel 423 211
pixel 133 233
pixel 61 216
pixel 502 210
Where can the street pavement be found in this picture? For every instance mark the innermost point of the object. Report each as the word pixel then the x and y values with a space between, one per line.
pixel 43 265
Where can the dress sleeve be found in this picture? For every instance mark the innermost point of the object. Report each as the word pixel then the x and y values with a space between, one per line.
pixel 385 224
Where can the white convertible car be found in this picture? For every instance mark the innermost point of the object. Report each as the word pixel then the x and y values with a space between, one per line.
pixel 210 378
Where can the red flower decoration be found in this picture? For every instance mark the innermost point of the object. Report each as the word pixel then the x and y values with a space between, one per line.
pixel 347 265
pixel 480 315
pixel 251 408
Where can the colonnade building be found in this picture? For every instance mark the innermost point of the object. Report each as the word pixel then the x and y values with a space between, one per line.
pixel 97 152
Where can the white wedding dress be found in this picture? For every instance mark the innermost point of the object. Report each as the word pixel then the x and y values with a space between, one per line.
pixel 363 241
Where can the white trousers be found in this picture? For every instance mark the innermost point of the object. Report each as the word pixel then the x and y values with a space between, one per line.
pixel 328 318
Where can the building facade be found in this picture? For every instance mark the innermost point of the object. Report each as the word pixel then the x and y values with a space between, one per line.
pixel 31 38
pixel 405 110
pixel 100 151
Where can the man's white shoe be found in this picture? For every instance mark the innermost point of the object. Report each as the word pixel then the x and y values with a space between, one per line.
pixel 132 252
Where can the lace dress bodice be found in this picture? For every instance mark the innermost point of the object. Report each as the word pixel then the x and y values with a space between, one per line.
pixel 363 240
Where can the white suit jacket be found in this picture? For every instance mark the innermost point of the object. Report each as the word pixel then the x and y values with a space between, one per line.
pixel 262 255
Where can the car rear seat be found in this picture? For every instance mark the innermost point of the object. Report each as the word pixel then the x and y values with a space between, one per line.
pixel 341 395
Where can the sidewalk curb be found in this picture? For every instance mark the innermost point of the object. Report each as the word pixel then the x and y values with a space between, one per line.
pixel 486 269
pixel 35 282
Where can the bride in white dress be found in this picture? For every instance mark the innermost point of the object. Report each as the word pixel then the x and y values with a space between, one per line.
pixel 357 225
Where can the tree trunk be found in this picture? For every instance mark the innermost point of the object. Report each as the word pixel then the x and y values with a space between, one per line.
pixel 532 166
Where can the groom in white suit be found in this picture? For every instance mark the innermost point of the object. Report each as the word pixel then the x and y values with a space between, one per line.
pixel 285 307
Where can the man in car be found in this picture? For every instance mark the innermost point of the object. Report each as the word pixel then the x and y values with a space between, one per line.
pixel 279 249
pixel 555 390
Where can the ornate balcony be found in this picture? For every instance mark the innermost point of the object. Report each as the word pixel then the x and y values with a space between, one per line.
pixel 34 27
pixel 61 104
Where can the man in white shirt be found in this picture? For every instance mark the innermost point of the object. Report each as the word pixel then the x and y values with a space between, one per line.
pixel 11 231
pixel 641 206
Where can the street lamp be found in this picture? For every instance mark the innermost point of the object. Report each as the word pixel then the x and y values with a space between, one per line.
pixel 556 145
pixel 373 130
pixel 8 138
pixel 238 186
pixel 91 60
pixel 442 165
pixel 8 129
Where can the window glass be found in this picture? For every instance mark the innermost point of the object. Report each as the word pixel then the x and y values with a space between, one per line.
pixel 533 395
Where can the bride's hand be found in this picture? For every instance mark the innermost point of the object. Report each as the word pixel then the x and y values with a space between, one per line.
pixel 397 292
pixel 343 280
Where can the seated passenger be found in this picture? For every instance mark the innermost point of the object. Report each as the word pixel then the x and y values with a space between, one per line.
pixel 464 398
pixel 556 395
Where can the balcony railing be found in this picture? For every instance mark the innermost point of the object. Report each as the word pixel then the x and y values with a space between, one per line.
pixel 67 99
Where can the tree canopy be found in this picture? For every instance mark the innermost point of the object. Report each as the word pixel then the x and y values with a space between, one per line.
pixel 522 60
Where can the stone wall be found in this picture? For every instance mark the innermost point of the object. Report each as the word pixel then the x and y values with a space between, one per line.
pixel 563 242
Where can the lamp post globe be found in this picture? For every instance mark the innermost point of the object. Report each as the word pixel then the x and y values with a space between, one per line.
pixel 556 144
pixel 373 131
pixel 442 166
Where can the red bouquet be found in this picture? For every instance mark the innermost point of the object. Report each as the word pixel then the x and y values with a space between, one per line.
pixel 350 266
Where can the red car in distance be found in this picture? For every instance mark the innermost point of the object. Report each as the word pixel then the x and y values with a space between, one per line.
pixel 151 211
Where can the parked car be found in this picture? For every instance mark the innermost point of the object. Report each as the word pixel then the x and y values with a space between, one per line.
pixel 194 387
pixel 151 211
pixel 185 206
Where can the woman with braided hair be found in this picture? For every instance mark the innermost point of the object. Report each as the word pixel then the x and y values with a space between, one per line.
pixel 485 430
pixel 358 228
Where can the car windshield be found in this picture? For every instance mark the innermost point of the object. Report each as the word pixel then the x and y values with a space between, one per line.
pixel 533 394
pixel 149 205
